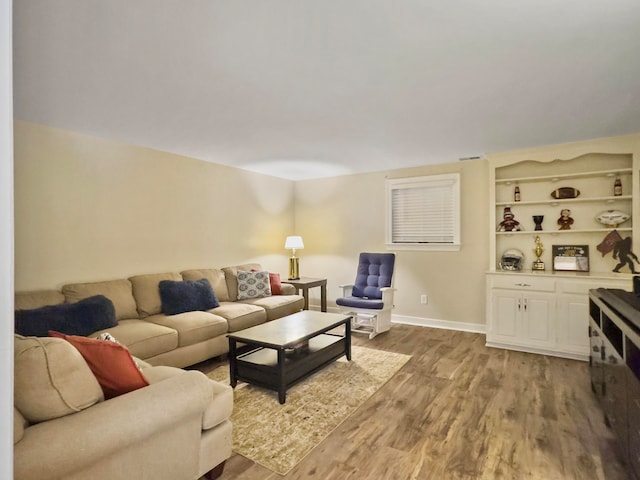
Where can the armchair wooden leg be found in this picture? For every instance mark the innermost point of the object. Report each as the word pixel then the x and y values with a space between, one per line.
pixel 214 472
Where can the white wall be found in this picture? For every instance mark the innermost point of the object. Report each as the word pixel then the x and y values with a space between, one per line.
pixel 90 209
pixel 6 243
pixel 341 216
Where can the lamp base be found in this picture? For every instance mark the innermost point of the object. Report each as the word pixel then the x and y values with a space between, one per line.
pixel 294 272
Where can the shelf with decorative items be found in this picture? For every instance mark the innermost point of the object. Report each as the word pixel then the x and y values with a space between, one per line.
pixel 587 197
pixel 555 202
pixel 560 228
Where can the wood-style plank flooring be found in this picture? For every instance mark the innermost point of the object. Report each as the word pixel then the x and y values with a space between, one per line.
pixel 460 410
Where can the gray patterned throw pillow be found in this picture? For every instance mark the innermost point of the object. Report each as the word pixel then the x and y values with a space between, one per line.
pixel 253 285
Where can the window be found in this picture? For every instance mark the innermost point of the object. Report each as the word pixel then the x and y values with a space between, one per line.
pixel 423 213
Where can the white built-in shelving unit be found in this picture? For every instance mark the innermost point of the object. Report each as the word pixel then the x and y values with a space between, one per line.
pixel 547 311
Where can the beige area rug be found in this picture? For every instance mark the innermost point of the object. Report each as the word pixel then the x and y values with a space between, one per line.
pixel 279 436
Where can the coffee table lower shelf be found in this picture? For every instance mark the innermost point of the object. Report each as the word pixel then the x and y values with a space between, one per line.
pixel 276 370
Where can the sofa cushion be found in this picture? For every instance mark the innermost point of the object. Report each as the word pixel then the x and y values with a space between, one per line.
pixel 231 276
pixel 120 292
pixel 253 284
pixel 186 296
pixel 37 299
pixel 216 279
pixel 192 327
pixel 110 362
pixel 240 315
pixel 278 306
pixel 143 339
pixel 51 379
pixel 81 318
pixel 147 293
pixel 19 424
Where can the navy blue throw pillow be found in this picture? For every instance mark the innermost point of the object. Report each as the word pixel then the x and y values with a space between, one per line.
pixel 81 318
pixel 187 296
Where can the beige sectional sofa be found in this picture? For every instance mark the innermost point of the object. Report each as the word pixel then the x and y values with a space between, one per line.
pixel 176 428
pixel 175 340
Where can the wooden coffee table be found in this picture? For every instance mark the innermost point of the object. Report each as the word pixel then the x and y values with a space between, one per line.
pixel 285 351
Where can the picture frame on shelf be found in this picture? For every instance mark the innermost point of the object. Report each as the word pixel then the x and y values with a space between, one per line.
pixel 570 258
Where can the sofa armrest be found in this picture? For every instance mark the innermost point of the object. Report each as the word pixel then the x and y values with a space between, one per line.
pixel 287 289
pixel 68 443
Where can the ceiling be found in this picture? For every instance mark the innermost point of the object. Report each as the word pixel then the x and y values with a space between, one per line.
pixel 307 88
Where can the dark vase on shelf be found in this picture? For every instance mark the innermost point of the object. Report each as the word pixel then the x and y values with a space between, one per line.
pixel 537 219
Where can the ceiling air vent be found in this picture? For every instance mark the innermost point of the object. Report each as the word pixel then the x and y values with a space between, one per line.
pixel 471 157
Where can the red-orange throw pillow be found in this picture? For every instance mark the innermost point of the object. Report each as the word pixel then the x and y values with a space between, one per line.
pixel 276 285
pixel 110 362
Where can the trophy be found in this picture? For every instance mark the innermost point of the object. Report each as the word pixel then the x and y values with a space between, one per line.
pixel 538 264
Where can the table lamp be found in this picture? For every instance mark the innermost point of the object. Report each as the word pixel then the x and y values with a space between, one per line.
pixel 292 243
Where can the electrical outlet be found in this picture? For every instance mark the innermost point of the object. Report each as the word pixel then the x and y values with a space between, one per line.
pixel 424 299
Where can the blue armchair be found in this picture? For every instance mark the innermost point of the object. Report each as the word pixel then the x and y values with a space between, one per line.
pixel 370 299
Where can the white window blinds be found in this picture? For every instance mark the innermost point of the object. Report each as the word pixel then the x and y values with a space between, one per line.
pixel 423 212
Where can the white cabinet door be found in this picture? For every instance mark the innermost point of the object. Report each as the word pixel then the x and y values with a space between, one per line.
pixel 522 318
pixel 539 318
pixel 573 323
pixel 506 314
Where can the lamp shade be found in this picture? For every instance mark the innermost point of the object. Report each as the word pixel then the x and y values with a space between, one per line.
pixel 294 242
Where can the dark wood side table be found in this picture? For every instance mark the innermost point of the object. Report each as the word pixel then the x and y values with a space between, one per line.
pixel 305 283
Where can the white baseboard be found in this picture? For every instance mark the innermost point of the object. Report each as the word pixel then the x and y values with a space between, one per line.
pixel 434 323
pixel 474 328
pixel 425 322
pixel 583 357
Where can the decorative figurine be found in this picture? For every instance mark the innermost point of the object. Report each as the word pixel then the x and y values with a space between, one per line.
pixel 516 193
pixel 538 264
pixel 565 221
pixel 537 219
pixel 509 224
pixel 622 251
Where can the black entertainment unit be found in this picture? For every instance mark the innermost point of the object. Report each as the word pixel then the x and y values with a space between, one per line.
pixel 614 364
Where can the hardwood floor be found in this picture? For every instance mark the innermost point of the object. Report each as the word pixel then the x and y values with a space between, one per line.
pixel 460 410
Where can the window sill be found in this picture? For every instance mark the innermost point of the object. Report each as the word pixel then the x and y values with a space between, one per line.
pixel 430 247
